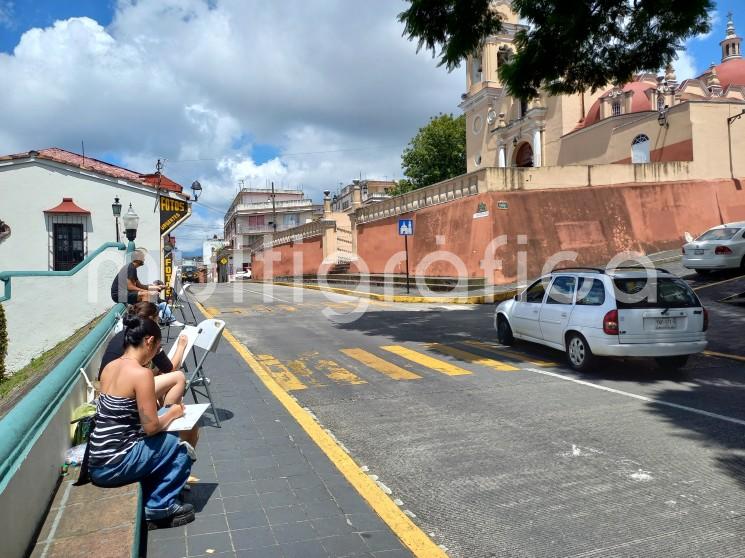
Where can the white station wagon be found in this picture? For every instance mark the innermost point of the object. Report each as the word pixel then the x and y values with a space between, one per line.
pixel 624 312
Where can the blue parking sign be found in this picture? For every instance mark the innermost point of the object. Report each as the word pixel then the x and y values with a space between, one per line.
pixel 406 227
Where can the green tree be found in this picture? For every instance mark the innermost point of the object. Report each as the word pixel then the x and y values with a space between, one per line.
pixel 436 153
pixel 570 46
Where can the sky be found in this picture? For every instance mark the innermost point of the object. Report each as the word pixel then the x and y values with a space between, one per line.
pixel 307 94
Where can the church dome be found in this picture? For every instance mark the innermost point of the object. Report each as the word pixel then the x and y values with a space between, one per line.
pixel 639 101
pixel 730 72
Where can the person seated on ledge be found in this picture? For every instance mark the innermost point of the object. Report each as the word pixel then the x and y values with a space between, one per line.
pixel 170 382
pixel 129 442
pixel 127 288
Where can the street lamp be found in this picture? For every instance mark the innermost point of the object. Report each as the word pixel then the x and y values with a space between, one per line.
pixel 131 220
pixel 116 209
pixel 196 188
pixel 730 120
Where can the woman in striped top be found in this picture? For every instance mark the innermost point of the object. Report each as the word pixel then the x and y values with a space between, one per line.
pixel 128 443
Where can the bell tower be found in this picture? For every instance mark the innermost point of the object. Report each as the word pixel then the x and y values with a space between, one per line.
pixel 731 43
pixel 484 99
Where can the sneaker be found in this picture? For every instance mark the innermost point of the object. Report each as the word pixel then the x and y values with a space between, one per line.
pixel 184 514
pixel 189 450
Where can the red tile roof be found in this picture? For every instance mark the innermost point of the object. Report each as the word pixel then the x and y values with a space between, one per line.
pixel 76 160
pixel 67 206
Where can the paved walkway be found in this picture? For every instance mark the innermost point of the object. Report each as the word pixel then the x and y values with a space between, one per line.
pixel 265 488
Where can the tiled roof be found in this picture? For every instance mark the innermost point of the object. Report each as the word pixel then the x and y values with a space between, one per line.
pixel 76 160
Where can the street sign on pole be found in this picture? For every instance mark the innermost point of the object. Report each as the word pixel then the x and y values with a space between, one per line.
pixel 406 229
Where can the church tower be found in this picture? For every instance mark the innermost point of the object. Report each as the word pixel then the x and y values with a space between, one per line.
pixel 484 102
pixel 731 43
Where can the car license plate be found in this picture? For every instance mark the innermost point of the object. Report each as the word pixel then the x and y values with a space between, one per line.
pixel 665 323
pixel 698 252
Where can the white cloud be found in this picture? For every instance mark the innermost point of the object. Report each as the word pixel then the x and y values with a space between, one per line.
pixel 685 65
pixel 190 81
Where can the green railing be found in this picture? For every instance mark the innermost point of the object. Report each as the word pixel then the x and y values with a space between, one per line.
pixel 6 276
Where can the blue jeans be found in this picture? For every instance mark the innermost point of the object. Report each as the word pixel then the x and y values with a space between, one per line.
pixel 161 465
pixel 164 312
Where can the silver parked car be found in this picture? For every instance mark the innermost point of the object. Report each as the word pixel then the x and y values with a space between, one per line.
pixel 722 247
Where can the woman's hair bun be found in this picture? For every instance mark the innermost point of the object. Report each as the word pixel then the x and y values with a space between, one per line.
pixel 131 321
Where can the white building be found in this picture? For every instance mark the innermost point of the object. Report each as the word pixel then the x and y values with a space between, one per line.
pixel 58 207
pixel 209 247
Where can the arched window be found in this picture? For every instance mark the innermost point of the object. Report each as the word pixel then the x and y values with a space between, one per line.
pixel 475 70
pixel 640 149
pixel 524 155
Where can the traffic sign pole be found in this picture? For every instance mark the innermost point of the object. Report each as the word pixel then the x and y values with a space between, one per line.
pixel 406 247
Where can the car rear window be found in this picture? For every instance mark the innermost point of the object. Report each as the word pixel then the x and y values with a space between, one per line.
pixel 660 292
pixel 591 292
pixel 718 234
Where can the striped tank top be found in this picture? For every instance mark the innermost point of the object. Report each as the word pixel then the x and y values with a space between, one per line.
pixel 117 430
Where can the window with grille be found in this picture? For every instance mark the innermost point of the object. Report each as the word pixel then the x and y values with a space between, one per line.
pixel 640 149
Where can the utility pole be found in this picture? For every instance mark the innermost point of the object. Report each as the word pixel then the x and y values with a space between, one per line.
pixel 274 210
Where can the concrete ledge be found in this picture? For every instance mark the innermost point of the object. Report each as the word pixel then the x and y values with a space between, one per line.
pixel 91 521
pixel 466 299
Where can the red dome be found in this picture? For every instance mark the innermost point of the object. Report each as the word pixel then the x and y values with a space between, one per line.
pixel 639 100
pixel 731 72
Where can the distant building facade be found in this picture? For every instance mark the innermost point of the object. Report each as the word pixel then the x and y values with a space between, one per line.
pixel 254 213
pixel 370 191
pixel 209 248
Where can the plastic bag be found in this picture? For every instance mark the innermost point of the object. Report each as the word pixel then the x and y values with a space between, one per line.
pixel 74 455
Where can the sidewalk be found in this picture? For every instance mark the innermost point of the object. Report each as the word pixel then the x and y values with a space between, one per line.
pixel 265 488
pixel 669 259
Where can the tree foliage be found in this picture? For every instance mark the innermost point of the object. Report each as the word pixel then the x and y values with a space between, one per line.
pixel 570 45
pixel 437 152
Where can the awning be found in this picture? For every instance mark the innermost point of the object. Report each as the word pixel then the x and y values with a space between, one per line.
pixel 67 206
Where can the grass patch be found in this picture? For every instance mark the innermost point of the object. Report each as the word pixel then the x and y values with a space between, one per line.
pixel 15 386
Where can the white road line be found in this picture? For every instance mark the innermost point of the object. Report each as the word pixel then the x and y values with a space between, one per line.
pixel 639 397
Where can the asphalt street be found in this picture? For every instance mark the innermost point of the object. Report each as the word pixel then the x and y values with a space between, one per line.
pixel 510 453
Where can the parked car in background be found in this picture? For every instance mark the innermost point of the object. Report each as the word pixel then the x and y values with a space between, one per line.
pixel 722 247
pixel 243 275
pixel 189 274
pixel 626 312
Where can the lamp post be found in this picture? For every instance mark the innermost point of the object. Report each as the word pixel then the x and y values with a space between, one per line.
pixel 196 189
pixel 131 220
pixel 116 209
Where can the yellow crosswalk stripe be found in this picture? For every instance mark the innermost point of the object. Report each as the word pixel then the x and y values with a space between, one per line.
pixel 376 363
pixel 471 357
pixel 496 349
pixel 299 368
pixel 338 373
pixel 426 360
pixel 287 308
pixel 286 379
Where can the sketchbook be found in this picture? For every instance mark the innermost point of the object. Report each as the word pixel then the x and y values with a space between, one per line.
pixel 190 418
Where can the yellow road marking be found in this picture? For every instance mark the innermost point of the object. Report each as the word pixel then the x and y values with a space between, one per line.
pixel 376 363
pixel 496 349
pixel 287 308
pixel 724 355
pixel 281 374
pixel 718 282
pixel 211 311
pixel 471 357
pixel 338 373
pixel 304 373
pixel 406 530
pixel 426 360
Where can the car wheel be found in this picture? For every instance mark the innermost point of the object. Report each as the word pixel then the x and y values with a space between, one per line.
pixel 504 332
pixel 672 362
pixel 579 355
pixel 702 271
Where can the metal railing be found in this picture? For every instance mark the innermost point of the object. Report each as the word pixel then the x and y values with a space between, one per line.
pixel 6 276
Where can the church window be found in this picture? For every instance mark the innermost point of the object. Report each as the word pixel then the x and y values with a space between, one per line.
pixel 640 149
pixel 616 108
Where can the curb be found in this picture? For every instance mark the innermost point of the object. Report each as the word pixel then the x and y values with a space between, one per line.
pixel 476 299
pixel 410 535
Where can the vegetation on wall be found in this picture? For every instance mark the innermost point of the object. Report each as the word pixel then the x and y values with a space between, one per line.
pixel 3 342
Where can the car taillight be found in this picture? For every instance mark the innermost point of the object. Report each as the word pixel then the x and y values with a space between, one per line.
pixel 719 250
pixel 706 320
pixel 610 323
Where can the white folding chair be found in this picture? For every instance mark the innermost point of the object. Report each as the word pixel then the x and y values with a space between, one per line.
pixel 208 335
pixel 191 333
